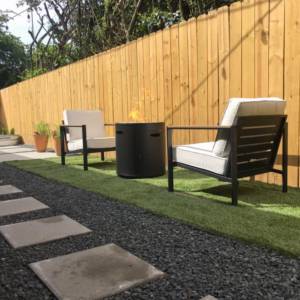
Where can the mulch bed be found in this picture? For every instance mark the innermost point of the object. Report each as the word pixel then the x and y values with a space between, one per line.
pixel 197 263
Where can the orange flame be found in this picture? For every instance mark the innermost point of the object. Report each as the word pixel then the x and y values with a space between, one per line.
pixel 136 116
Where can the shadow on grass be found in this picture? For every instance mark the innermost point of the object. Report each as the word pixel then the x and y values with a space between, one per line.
pixel 264 216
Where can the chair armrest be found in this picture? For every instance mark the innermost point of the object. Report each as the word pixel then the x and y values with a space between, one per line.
pixel 171 128
pixel 63 137
pixel 198 127
pixel 67 126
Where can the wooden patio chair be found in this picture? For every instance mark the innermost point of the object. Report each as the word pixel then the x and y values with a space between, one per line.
pixel 246 144
pixel 84 132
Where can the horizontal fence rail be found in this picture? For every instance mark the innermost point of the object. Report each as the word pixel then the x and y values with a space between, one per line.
pixel 183 75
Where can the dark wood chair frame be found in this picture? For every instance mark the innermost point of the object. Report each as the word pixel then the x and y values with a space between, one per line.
pixel 64 129
pixel 254 142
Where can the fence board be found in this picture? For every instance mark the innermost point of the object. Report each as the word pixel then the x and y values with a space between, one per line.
pixel 248 50
pixel 223 46
pixel 123 63
pixel 261 50
pixel 175 80
pixel 213 72
pixel 193 77
pixel 235 56
pixel 201 105
pixel 292 87
pixel 167 77
pixel 184 81
pixel 276 59
pixel 159 76
pixel 140 58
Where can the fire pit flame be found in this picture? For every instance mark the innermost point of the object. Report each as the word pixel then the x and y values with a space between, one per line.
pixel 136 116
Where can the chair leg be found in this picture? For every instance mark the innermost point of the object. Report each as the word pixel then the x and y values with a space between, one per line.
pixel 234 192
pixel 285 159
pixel 102 156
pixel 85 161
pixel 170 178
pixel 284 183
pixel 62 146
pixel 63 159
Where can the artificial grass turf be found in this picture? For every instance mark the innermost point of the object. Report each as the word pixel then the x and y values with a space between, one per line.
pixel 264 216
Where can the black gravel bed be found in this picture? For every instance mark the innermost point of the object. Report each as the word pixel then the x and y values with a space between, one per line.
pixel 197 263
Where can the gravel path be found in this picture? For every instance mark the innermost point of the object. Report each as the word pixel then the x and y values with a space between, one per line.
pixel 197 263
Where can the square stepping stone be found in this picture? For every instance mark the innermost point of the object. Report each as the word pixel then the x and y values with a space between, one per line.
pixel 8 189
pixel 208 297
pixel 21 205
pixel 41 231
pixel 95 273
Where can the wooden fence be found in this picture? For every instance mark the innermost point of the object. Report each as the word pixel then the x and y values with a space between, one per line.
pixel 181 75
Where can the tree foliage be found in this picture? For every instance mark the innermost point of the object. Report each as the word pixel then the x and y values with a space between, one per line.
pixel 12 56
pixel 73 29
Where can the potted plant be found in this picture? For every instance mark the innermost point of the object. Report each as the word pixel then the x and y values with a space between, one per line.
pixel 56 141
pixel 41 136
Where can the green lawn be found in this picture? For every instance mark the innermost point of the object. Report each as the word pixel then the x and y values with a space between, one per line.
pixel 265 216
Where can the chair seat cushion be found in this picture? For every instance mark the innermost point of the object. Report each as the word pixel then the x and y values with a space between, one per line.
pixel 201 156
pixel 93 143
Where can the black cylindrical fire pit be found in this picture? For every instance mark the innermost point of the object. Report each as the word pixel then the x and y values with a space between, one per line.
pixel 140 149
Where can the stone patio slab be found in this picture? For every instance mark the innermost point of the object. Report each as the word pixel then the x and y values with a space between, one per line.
pixel 9 189
pixel 41 231
pixel 15 149
pixel 21 205
pixel 22 153
pixel 209 297
pixel 95 273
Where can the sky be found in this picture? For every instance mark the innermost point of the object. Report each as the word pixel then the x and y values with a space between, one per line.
pixel 19 25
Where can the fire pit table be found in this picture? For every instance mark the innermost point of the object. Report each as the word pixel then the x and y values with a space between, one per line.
pixel 140 149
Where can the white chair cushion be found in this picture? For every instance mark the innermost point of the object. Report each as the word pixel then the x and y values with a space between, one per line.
pixel 238 107
pixel 201 156
pixel 93 120
pixel 93 143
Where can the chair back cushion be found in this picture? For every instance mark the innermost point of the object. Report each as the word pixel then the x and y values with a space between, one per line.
pixel 238 107
pixel 93 120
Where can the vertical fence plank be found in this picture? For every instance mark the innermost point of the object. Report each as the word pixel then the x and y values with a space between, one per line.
pixel 160 76
pixel 224 71
pixel 96 76
pixel 141 91
pixel 201 108
pixel 116 85
pixel 175 80
pixel 213 74
pixel 167 77
pixel 91 84
pixel 184 81
pixel 107 88
pixel 261 31
pixel 153 78
pixel 276 59
pixel 194 95
pixel 134 78
pixel 235 80
pixel 291 83
pixel 123 63
pixel 147 93
pixel 248 51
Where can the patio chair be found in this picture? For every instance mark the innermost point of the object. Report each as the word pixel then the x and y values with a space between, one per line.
pixel 246 144
pixel 84 132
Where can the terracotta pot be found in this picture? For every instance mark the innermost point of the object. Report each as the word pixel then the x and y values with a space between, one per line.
pixel 41 142
pixel 56 145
